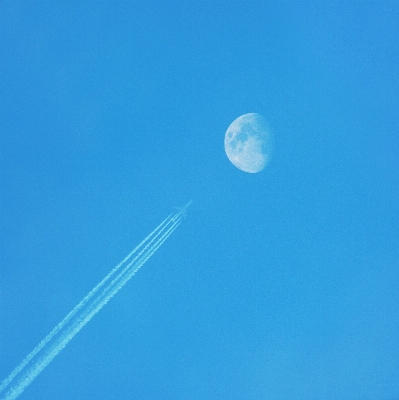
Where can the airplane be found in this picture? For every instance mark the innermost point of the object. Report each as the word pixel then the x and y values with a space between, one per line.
pixel 183 210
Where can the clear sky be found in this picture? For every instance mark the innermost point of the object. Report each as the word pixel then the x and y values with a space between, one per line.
pixel 281 285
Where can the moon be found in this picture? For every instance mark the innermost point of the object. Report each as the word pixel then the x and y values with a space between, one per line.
pixel 248 143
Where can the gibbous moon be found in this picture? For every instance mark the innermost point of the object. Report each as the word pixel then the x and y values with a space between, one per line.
pixel 248 143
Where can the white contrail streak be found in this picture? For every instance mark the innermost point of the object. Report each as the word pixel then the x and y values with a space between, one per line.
pixel 75 310
pixel 60 336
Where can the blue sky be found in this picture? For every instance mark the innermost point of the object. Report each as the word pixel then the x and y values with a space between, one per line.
pixel 279 285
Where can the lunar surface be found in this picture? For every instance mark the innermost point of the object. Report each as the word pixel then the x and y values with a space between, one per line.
pixel 248 143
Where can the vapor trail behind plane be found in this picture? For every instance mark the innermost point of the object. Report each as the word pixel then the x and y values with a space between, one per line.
pixel 83 312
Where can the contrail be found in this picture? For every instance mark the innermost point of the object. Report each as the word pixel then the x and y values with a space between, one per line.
pixel 83 312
